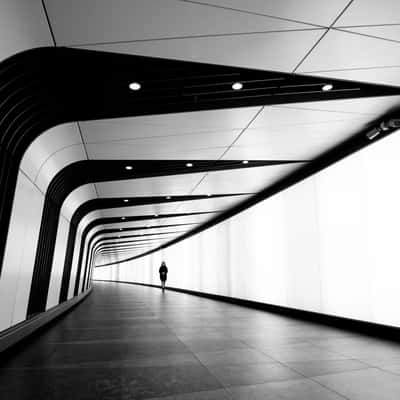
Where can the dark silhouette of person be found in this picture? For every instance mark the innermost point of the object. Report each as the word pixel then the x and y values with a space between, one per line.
pixel 163 274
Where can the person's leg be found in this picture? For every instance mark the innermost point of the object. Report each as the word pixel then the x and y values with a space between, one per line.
pixel 163 285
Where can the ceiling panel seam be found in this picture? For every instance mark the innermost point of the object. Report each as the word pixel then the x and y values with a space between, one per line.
pixel 366 35
pixel 259 111
pixel 53 38
pixel 238 10
pixel 323 35
pixel 214 35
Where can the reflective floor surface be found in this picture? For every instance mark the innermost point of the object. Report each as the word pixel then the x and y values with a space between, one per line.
pixel 134 342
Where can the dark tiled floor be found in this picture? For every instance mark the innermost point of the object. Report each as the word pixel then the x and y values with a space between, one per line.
pixel 133 342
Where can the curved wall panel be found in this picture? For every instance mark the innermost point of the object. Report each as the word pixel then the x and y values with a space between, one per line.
pixel 328 244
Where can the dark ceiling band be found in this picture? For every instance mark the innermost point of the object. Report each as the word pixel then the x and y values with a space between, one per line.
pixel 45 87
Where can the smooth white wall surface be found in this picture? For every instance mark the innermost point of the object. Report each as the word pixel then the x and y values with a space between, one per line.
pixel 58 263
pixel 328 244
pixel 20 252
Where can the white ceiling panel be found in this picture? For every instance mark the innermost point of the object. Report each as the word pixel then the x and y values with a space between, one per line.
pixel 343 50
pixel 371 12
pixel 373 106
pixel 58 161
pixel 278 51
pixel 295 115
pixel 294 142
pixel 310 11
pixel 385 76
pixel 77 22
pixel 76 198
pixel 243 180
pixel 25 24
pixel 171 147
pixel 160 186
pixel 47 144
pixel 391 32
pixel 218 203
pixel 187 123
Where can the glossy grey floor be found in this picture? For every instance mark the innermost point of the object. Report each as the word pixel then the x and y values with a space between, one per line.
pixel 134 342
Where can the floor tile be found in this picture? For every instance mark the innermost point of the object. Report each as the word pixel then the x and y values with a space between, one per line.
pixel 233 356
pixel 301 389
pixel 322 367
pixel 370 384
pixel 250 374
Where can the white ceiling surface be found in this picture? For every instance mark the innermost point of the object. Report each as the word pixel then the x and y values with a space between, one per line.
pixel 102 21
pixel 248 179
pixel 52 151
pixel 336 39
pixel 76 198
pixel 25 23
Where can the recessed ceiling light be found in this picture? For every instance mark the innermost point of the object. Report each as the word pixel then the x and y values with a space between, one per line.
pixel 120 229
pixel 126 200
pixel 156 215
pixel 129 167
pixel 237 86
pixel 168 197
pixel 189 164
pixel 122 218
pixel 135 86
pixel 327 87
pixel 148 226
pixel 209 194
pixel 245 162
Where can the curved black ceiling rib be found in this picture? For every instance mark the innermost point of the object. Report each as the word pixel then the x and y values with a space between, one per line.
pixel 45 87
pixel 106 203
pixel 92 171
pixel 136 228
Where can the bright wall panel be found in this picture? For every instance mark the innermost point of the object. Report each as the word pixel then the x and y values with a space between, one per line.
pixel 328 244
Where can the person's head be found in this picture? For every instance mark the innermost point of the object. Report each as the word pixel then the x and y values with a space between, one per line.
pixel 163 263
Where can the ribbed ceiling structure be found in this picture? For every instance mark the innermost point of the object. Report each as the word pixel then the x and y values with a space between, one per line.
pixel 159 118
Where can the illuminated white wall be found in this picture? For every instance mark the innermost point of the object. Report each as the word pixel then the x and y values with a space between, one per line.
pixel 329 244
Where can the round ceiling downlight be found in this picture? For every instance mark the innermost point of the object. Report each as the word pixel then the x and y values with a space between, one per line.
pixel 237 86
pixel 327 87
pixel 135 86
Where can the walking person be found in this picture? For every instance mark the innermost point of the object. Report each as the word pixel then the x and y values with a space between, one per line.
pixel 163 274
